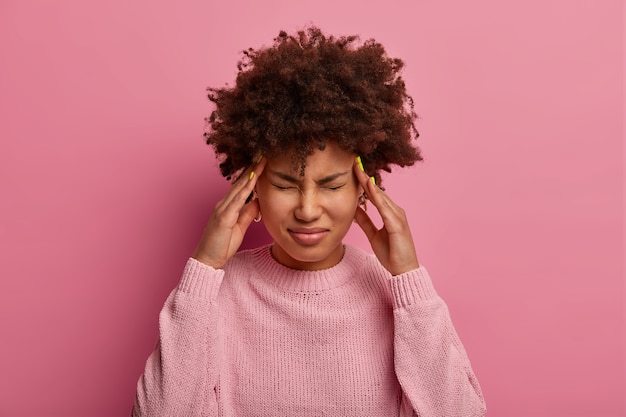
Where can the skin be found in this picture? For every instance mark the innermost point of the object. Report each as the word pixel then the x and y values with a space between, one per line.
pixel 308 216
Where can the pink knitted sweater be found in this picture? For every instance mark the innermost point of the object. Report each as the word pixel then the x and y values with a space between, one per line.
pixel 260 339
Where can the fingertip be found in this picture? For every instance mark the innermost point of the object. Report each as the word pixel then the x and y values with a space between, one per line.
pixel 260 166
pixel 360 163
pixel 359 171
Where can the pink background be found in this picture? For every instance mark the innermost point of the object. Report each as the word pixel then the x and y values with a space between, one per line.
pixel 517 211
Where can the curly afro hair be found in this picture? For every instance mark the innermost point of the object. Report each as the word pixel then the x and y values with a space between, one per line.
pixel 310 88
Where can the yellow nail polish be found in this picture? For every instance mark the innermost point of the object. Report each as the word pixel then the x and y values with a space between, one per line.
pixel 373 180
pixel 358 159
pixel 251 175
pixel 259 158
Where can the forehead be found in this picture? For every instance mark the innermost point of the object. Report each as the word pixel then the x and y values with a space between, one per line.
pixel 320 162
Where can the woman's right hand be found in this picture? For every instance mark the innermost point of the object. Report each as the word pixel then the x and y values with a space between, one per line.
pixel 229 221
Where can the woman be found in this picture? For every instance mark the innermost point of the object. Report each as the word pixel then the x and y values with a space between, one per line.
pixel 308 326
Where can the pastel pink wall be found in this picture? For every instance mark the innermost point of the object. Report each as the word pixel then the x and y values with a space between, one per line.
pixel 105 184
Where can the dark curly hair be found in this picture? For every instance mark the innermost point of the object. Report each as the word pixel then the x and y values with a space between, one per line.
pixel 310 88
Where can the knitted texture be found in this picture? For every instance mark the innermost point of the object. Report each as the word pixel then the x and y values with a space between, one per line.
pixel 260 339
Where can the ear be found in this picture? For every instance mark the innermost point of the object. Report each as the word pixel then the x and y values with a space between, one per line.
pixel 362 193
pixel 253 196
pixel 363 201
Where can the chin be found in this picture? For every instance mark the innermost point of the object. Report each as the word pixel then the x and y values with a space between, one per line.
pixel 309 255
pixel 315 257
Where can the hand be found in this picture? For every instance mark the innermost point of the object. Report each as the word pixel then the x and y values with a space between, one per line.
pixel 229 221
pixel 393 243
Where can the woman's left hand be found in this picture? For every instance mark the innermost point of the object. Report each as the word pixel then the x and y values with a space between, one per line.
pixel 393 243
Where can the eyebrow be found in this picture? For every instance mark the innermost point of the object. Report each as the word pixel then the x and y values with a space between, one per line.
pixel 293 180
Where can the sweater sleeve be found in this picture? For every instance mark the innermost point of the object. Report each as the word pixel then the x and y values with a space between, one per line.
pixel 430 361
pixel 181 373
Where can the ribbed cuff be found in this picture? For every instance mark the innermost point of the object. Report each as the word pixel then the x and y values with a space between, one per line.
pixel 411 287
pixel 201 280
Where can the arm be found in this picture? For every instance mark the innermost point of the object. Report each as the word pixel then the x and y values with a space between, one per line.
pixel 181 374
pixel 430 361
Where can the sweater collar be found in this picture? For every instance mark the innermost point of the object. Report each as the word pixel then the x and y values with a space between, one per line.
pixel 307 281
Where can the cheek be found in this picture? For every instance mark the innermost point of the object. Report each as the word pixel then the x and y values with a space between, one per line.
pixel 272 203
pixel 344 205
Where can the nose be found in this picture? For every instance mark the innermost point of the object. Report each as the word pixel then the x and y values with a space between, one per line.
pixel 308 208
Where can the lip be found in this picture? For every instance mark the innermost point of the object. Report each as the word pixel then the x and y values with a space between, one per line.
pixel 308 235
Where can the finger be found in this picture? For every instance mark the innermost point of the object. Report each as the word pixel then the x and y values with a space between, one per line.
pixel 250 175
pixel 239 193
pixel 247 214
pixel 365 223
pixel 393 216
pixel 378 197
pixel 373 191
pixel 361 175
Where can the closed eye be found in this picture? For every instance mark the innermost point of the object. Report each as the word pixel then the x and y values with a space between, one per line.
pixel 335 188
pixel 283 187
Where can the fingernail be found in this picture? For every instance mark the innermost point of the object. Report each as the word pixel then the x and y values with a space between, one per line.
pixel 251 175
pixel 373 180
pixel 259 158
pixel 358 159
